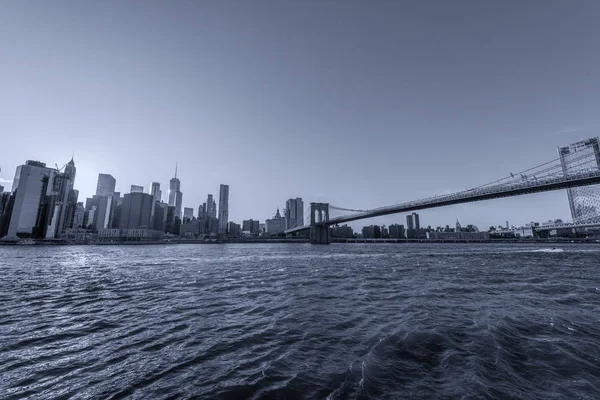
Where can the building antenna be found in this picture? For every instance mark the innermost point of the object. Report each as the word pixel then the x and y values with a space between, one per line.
pixel 175 170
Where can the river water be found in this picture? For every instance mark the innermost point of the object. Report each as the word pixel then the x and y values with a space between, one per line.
pixel 287 321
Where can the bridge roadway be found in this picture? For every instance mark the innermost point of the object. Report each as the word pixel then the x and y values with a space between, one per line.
pixel 554 182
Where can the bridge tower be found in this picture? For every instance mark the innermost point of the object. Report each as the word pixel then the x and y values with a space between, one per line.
pixel 319 229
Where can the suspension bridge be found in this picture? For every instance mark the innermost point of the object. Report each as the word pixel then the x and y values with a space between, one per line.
pixel 566 172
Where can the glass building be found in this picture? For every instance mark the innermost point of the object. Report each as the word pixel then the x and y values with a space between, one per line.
pixel 584 201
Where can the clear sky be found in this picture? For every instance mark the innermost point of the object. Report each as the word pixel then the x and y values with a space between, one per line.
pixel 358 103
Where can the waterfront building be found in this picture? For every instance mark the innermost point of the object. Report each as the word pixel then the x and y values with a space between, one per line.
pixel 251 226
pixel 396 231
pixel 160 216
pixel 6 206
pixel 137 211
pixel 106 185
pixel 33 182
pixel 458 235
pixel 233 229
pixel 371 232
pixel 584 201
pixel 54 207
pixel 343 231
pixel 103 207
pixel 189 228
pixel 223 208
pixel 275 225
pixel 294 213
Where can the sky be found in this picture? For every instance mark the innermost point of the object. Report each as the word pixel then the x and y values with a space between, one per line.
pixel 356 103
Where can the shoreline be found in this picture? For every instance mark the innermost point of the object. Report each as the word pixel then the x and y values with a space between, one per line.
pixel 302 241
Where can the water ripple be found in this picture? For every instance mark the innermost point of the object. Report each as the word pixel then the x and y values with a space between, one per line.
pixel 298 321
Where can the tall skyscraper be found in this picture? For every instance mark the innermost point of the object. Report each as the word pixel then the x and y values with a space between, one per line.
pixel 106 185
pixel 30 188
pixel 155 191
pixel 136 189
pixel 188 212
pixel 410 222
pixel 211 207
pixel 584 201
pixel 294 213
pixel 71 171
pixel 223 208
pixel 175 195
pixel 137 211
pixel 55 205
pixel 202 211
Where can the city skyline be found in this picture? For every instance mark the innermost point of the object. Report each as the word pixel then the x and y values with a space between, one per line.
pixel 372 120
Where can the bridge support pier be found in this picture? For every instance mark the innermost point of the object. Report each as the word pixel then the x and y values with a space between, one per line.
pixel 319 229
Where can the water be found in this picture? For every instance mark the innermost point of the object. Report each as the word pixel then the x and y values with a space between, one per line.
pixel 288 321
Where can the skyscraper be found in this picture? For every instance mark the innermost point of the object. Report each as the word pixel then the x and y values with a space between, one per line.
pixel 188 213
pixel 30 188
pixel 155 191
pixel 584 201
pixel 294 213
pixel 106 185
pixel 211 207
pixel 223 208
pixel 202 211
pixel 137 211
pixel 175 195
pixel 71 171
pixel 136 189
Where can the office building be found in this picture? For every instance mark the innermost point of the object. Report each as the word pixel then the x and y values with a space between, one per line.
pixel 136 189
pixel 396 231
pixel 175 195
pixel 275 225
pixel 30 188
pixel 371 232
pixel 233 229
pixel 117 206
pixel 55 205
pixel 211 207
pixel 1 189
pixel 344 232
pixel 294 213
pixel 171 227
pixel 155 191
pixel 106 185
pixel 188 213
pixel 78 216
pixel 584 201
pixel 251 227
pixel 71 171
pixel 6 206
pixel 160 216
pixel 101 217
pixel 223 208
pixel 137 211
pixel 202 211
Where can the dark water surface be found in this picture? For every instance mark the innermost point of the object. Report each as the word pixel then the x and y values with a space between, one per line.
pixel 293 321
